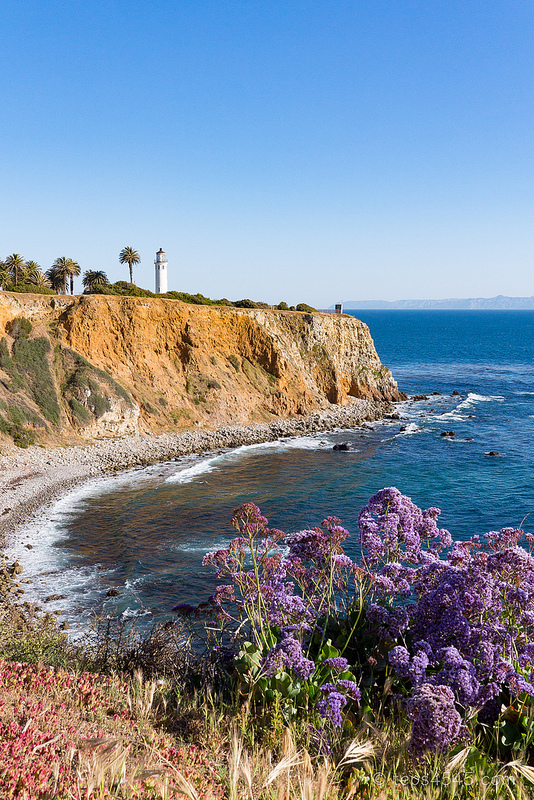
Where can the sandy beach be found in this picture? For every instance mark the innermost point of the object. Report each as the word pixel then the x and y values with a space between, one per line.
pixel 32 479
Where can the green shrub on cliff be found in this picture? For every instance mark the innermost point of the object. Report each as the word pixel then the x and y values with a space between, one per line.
pixel 195 299
pixel 29 288
pixel 21 435
pixel 20 326
pixel 131 290
pixel 8 365
pixel 28 367
pixel 80 412
pixel 30 357
pixel 80 370
pixel 99 289
pixel 85 387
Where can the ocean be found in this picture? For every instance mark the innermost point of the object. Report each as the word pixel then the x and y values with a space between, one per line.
pixel 143 533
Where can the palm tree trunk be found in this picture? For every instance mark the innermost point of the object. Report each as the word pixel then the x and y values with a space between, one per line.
pixel 72 284
pixel 131 271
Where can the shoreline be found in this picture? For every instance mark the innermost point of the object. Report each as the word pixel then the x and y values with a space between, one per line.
pixel 33 479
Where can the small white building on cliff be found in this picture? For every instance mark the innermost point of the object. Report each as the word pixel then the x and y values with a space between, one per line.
pixel 160 265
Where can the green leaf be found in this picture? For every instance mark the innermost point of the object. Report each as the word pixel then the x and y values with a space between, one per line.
pixel 248 659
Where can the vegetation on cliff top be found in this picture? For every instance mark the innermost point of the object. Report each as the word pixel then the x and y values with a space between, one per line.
pixel 129 289
pixel 18 275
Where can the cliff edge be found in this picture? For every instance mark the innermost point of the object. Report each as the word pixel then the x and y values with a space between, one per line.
pixel 97 365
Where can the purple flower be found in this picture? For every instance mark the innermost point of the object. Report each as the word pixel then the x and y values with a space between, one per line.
pixel 330 706
pixel 350 688
pixel 519 685
pixel 288 654
pixel 399 658
pixel 392 528
pixel 436 724
pixel 406 666
pixel 338 663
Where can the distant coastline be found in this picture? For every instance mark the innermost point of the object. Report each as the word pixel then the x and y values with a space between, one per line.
pixel 498 303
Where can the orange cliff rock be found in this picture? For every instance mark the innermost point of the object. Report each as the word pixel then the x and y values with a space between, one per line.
pixel 127 364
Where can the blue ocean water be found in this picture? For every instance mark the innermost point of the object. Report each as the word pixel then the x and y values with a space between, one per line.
pixel 144 533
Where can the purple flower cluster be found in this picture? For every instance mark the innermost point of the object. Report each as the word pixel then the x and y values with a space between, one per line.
pixel 436 724
pixel 329 706
pixel 278 599
pixel 350 689
pixel 469 624
pixel 456 619
pixel 393 529
pixel 287 655
pixel 337 663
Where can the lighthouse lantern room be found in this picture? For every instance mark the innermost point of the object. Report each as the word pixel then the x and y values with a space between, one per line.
pixel 161 271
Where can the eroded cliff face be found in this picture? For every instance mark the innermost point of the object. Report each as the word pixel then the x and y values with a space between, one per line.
pixel 122 365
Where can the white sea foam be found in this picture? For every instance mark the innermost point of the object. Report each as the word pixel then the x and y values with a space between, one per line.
pixel 450 415
pixel 473 398
pixel 456 415
pixel 200 547
pixel 410 429
pixel 129 613
pixel 207 465
pixel 190 473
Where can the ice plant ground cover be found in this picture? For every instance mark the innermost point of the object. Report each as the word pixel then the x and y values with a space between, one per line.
pixel 71 736
pixel 440 631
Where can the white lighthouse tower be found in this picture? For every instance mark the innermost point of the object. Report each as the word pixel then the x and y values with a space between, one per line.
pixel 161 271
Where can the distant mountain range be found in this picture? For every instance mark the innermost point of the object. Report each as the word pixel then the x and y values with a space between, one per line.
pixel 476 303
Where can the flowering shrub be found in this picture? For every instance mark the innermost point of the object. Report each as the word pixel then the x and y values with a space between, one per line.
pixel 451 622
pixel 274 616
pixel 469 621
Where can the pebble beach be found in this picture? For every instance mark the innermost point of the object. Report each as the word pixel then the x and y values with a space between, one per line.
pixel 32 479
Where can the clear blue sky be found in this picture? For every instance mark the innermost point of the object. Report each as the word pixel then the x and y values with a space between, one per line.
pixel 300 150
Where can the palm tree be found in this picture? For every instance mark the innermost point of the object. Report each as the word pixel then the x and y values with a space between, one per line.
pixel 41 280
pixel 56 278
pixel 59 273
pixel 32 273
pixel 13 263
pixel 94 277
pixel 73 269
pixel 129 256
pixel 5 276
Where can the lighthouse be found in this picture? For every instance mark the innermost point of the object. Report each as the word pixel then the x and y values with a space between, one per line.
pixel 161 271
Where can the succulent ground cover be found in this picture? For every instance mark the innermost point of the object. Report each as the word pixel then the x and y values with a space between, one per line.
pixel 64 735
pixel 405 673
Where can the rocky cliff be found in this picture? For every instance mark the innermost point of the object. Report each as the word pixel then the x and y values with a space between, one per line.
pixel 101 365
